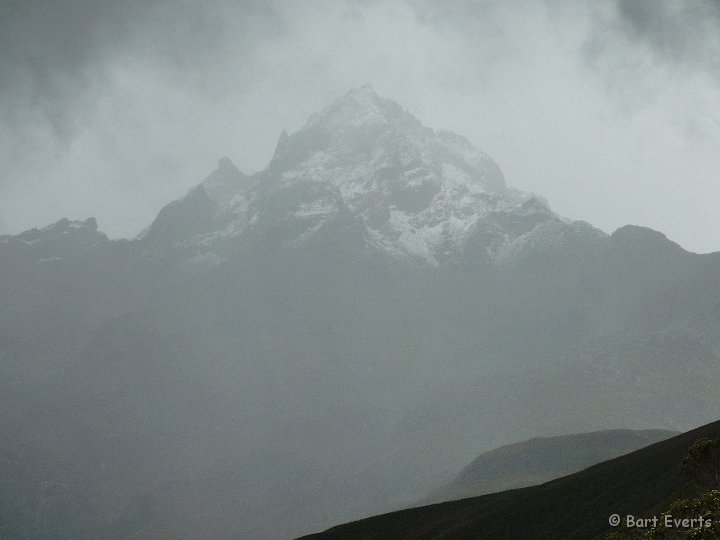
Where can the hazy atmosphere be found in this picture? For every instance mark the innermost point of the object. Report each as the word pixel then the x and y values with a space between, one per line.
pixel 268 269
pixel 610 110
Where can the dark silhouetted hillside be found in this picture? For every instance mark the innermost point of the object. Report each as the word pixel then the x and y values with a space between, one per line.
pixel 542 459
pixel 573 507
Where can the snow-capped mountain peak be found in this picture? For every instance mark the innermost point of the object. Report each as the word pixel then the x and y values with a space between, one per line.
pixel 364 130
pixel 415 193
pixel 360 107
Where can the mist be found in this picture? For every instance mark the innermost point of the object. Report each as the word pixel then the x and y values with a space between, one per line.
pixel 271 267
pixel 609 110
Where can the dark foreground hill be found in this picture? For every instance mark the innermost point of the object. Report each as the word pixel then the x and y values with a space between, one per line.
pixel 541 459
pixel 578 506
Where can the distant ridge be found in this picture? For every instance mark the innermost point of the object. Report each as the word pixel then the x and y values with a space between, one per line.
pixel 578 506
pixel 541 459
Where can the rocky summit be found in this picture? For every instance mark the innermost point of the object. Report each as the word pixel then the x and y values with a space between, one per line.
pixel 424 196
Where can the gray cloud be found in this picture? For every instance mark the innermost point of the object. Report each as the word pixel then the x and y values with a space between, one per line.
pixel 685 33
pixel 113 108
pixel 56 54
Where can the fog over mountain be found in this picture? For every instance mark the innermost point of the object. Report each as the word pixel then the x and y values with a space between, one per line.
pixel 334 336
pixel 270 267
pixel 608 109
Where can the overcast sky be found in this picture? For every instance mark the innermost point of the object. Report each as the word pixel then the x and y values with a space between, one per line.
pixel 610 110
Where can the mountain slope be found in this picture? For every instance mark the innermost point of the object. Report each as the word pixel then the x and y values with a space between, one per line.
pixel 539 460
pixel 573 507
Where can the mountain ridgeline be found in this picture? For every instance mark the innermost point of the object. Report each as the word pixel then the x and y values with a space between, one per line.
pixel 580 506
pixel 542 459
pixel 334 336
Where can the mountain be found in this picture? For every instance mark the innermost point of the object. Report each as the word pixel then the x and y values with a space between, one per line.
pixel 332 337
pixel 400 189
pixel 539 460
pixel 642 483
